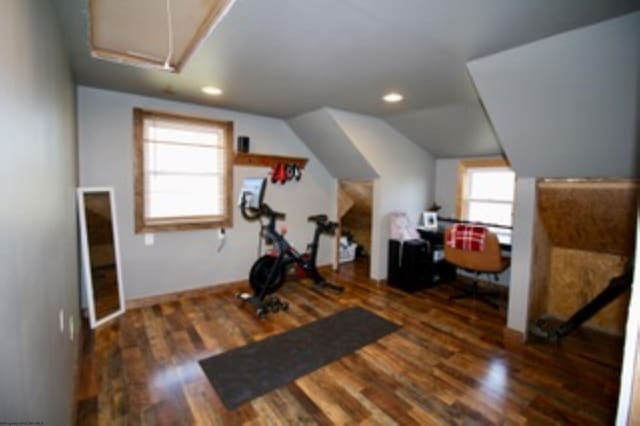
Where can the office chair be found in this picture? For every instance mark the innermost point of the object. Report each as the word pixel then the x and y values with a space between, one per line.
pixel 489 260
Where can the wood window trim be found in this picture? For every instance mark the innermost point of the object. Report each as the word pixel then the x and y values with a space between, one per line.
pixel 472 163
pixel 182 223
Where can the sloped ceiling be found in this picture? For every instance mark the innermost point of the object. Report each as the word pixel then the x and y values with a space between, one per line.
pixel 319 130
pixel 286 57
pixel 455 130
pixel 567 106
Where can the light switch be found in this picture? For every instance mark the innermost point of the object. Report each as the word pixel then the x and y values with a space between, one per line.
pixel 148 239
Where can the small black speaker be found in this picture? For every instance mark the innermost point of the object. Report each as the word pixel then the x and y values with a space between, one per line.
pixel 243 143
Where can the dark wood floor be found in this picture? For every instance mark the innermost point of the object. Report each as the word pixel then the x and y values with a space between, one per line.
pixel 447 364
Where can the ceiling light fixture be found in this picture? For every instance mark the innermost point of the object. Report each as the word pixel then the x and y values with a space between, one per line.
pixel 393 97
pixel 212 91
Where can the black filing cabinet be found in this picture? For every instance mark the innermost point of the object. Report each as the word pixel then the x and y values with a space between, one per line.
pixel 410 264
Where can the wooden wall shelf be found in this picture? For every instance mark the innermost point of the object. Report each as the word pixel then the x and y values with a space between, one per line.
pixel 265 160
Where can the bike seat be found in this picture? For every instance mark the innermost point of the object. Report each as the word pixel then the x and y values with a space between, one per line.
pixel 318 218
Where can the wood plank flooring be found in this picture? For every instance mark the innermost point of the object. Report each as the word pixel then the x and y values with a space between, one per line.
pixel 448 364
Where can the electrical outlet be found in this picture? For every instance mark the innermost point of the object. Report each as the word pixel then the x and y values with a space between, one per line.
pixel 148 239
pixel 71 330
pixel 61 320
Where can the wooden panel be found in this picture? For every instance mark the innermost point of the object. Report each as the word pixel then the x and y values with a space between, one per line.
pixel 266 160
pixel 358 219
pixel 361 192
pixel 360 227
pixel 540 268
pixel 576 277
pixel 345 202
pixel 592 215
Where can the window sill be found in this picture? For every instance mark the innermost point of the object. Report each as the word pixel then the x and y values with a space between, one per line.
pixel 182 225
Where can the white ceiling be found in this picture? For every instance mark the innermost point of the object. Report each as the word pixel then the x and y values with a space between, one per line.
pixel 286 57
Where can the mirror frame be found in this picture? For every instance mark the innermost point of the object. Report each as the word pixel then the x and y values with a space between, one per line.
pixel 85 256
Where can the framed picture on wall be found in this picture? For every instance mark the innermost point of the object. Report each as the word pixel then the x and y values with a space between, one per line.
pixel 430 220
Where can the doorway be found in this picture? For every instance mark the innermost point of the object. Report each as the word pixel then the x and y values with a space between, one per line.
pixel 355 215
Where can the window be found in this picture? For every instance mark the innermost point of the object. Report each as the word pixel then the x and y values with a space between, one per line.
pixel 486 188
pixel 183 172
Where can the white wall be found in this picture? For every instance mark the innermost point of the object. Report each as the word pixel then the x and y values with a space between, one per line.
pixel 406 172
pixel 38 247
pixel 521 254
pixel 188 259
pixel 631 358
pixel 567 105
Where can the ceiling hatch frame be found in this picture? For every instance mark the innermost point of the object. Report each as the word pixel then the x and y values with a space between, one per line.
pixel 213 17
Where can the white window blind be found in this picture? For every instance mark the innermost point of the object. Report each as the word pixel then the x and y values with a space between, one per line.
pixel 184 169
pixel 489 195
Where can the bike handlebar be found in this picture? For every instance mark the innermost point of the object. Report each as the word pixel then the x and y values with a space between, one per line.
pixel 252 213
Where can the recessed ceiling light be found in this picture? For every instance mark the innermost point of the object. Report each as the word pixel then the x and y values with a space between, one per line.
pixel 393 97
pixel 212 91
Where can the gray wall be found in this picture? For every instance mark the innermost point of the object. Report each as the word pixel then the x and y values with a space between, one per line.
pixel 406 176
pixel 189 259
pixel 38 244
pixel 566 106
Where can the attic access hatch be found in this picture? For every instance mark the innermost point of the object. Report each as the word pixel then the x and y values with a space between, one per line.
pixel 160 34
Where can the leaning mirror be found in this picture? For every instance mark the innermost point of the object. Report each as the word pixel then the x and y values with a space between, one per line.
pixel 100 254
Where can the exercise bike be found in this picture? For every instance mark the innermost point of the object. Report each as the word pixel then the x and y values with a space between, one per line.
pixel 268 273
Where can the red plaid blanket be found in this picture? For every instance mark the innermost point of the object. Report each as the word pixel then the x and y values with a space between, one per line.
pixel 467 237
